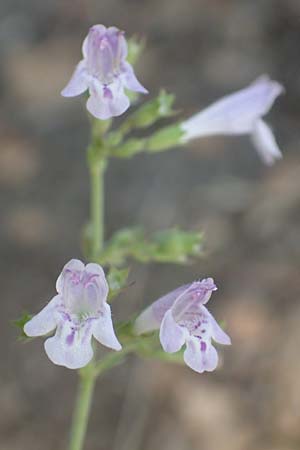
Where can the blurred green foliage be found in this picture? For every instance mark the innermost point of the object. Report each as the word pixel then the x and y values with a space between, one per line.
pixel 168 246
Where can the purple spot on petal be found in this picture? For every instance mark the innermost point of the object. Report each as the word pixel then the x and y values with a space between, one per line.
pixel 65 315
pixel 107 93
pixel 70 338
pixel 203 346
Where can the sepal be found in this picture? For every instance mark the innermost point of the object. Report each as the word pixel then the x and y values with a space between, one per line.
pixel 165 138
pixel 150 112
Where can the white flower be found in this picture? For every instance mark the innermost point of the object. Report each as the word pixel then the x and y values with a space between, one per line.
pixel 105 72
pixel 78 312
pixel 240 113
pixel 183 319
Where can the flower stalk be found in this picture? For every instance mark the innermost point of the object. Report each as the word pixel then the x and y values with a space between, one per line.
pixel 82 407
pixel 88 374
pixel 97 206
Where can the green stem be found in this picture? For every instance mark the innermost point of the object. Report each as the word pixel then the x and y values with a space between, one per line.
pixel 97 206
pixel 82 408
pixel 88 374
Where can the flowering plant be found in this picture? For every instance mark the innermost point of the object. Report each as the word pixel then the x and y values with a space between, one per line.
pixel 105 72
pixel 80 310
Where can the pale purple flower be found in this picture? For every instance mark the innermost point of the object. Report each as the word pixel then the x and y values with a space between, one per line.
pixel 183 319
pixel 105 72
pixel 240 113
pixel 78 312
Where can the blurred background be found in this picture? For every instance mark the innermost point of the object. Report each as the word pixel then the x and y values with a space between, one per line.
pixel 250 214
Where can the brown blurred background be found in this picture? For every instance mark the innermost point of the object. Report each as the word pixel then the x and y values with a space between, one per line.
pixel 199 50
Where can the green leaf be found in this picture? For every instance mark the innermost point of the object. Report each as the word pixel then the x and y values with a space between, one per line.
pixel 117 249
pixel 144 117
pixel 165 138
pixel 168 246
pixel 150 112
pixel 20 323
pixel 129 148
pixel 177 245
pixel 117 279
